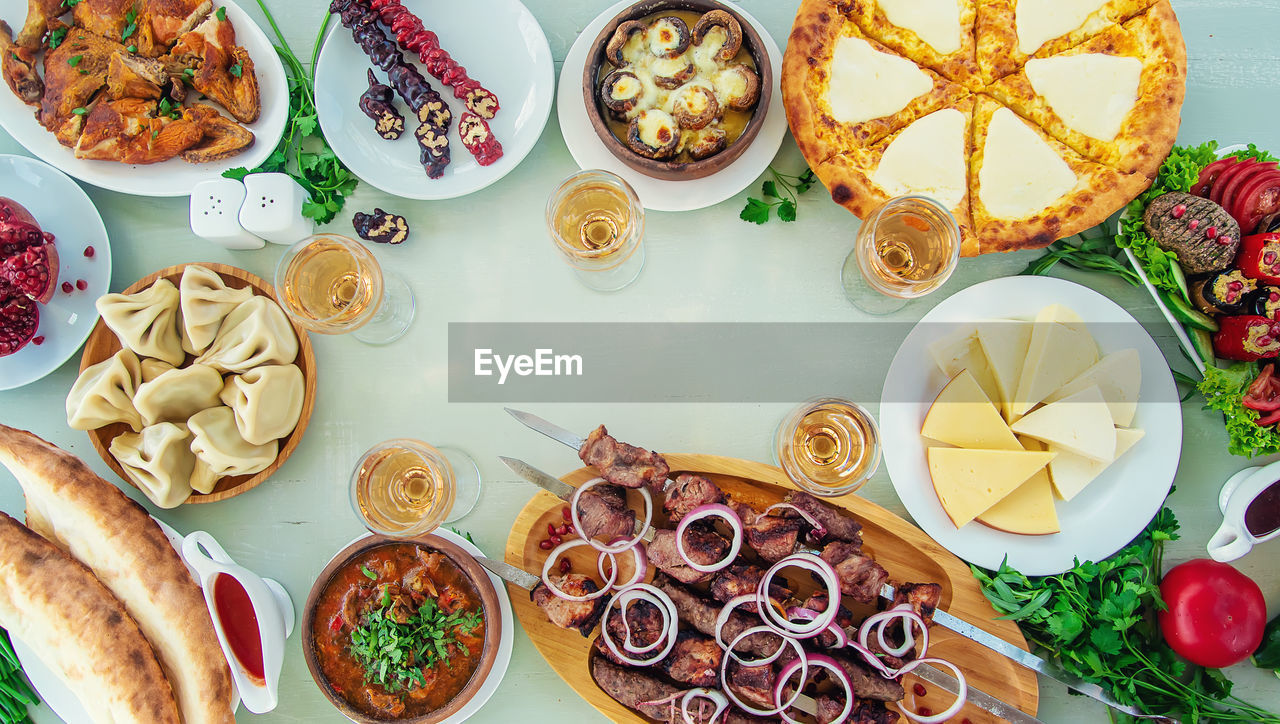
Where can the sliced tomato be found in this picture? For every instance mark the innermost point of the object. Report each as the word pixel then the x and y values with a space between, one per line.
pixel 1266 420
pixel 1224 178
pixel 1210 173
pixel 1255 199
pixel 1231 189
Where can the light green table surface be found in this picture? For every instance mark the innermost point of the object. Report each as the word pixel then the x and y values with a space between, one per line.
pixel 486 258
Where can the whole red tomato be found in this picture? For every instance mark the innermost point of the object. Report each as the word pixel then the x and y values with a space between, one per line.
pixel 1216 614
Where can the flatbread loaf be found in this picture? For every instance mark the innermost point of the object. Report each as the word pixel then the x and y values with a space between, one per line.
pixel 82 632
pixel 100 526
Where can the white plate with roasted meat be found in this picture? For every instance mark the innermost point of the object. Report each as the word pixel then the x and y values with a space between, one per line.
pixel 479 75
pixel 1034 338
pixel 47 334
pixel 148 102
pixel 863 544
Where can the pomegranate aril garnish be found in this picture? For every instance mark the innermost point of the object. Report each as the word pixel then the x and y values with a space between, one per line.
pixel 67 287
pixel 89 252
pixel 565 566
pixel 565 513
pixel 919 689
pixel 551 529
pixel 555 540
pixel 38 340
pixel 82 284
pixel 562 530
pixel 545 545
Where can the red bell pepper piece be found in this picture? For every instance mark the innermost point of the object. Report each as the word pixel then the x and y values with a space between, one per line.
pixel 1260 257
pixel 1247 337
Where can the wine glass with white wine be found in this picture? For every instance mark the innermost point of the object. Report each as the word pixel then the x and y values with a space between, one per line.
pixel 828 446
pixel 905 249
pixel 407 488
pixel 597 222
pixel 333 285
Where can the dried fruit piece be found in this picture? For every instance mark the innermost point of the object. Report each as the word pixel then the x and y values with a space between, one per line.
pixel 378 103
pixel 381 227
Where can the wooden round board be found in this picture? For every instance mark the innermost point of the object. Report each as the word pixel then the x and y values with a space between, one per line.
pixel 904 550
pixel 103 343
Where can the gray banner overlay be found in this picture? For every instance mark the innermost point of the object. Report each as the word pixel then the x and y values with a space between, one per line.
pixel 695 362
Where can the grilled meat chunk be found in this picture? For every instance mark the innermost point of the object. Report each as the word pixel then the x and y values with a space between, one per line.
pixel 70 86
pixel 604 513
pixel 130 131
pixel 867 683
pixel 742 579
pixel 701 614
pixel 129 76
pixel 1186 233
pixel 581 616
pixel 39 13
pixel 753 684
pixel 643 627
pixel 623 464
pixel 695 660
pixel 923 597
pixel 17 64
pixel 162 22
pixel 864 712
pixel 223 70
pixel 103 17
pixel 860 576
pixel 772 537
pixel 839 527
pixel 223 137
pixel 632 687
pixel 702 544
pixel 688 492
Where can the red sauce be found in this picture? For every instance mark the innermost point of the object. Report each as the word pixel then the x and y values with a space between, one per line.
pixel 240 624
pixel 1263 514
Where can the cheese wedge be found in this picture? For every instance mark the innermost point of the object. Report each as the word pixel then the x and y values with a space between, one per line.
pixel 1118 376
pixel 1080 423
pixel 963 416
pixel 1004 344
pixel 1060 349
pixel 958 351
pixel 1028 510
pixel 969 482
pixel 1070 473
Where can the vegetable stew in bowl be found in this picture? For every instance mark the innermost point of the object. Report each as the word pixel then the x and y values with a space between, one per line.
pixel 401 630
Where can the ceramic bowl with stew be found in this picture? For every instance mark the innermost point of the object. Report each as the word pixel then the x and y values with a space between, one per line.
pixel 378 582
pixel 677 89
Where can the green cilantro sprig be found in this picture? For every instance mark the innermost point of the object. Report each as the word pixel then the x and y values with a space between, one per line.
pixel 131 20
pixel 303 152
pixel 1091 252
pixel 15 693
pixel 758 211
pixel 56 36
pixel 394 654
pixel 1098 620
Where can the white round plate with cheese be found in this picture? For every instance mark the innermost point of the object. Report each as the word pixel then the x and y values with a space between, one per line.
pixel 501 45
pixel 1104 516
pixel 660 194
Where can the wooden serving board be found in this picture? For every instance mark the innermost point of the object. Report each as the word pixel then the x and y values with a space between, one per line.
pixel 103 343
pixel 904 550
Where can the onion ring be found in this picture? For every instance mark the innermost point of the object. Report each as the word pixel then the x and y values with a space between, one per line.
pixel 723 618
pixel 715 697
pixel 551 559
pixel 710 510
pixel 801 657
pixel 825 662
pixel 819 530
pixel 577 522
pixel 961 696
pixel 809 562
pixel 881 620
pixel 670 620
pixel 641 560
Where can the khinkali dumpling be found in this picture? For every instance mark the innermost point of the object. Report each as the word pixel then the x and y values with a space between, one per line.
pixel 203 479
pixel 159 460
pixel 206 301
pixel 217 441
pixel 103 394
pixel 153 368
pixel 146 322
pixel 255 333
pixel 178 394
pixel 267 401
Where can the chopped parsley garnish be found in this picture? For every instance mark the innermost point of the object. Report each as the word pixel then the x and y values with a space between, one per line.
pixel 394 654
pixel 167 108
pixel 15 56
pixel 221 14
pixel 368 573
pixel 74 60
pixel 56 37
pixel 70 3
pixel 189 72
pixel 132 48
pixel 237 70
pixel 80 111
pixel 131 18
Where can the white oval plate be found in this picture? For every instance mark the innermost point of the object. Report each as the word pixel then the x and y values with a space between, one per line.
pixel 174 177
pixel 658 194
pixel 1101 519
pixel 53 692
pixel 503 659
pixel 501 45
pixel 63 209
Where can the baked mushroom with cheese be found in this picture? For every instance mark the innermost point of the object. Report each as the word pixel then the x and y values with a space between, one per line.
pixel 705 142
pixel 669 37
pixel 653 134
pixel 719 33
pixel 671 73
pixel 620 92
pixel 694 106
pixel 626 43
pixel 738 87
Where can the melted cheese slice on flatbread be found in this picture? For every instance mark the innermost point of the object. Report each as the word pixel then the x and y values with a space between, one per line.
pixel 927 157
pixel 1021 174
pixel 937 22
pixel 1039 21
pixel 1092 93
pixel 867 84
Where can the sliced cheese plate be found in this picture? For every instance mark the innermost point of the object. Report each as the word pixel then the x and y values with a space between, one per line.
pixel 1098 520
pixel 905 551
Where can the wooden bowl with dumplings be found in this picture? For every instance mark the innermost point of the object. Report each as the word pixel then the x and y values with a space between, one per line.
pixel 103 344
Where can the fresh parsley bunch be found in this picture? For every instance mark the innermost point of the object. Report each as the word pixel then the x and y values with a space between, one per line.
pixel 758 211
pixel 1098 620
pixel 303 152
pixel 394 654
